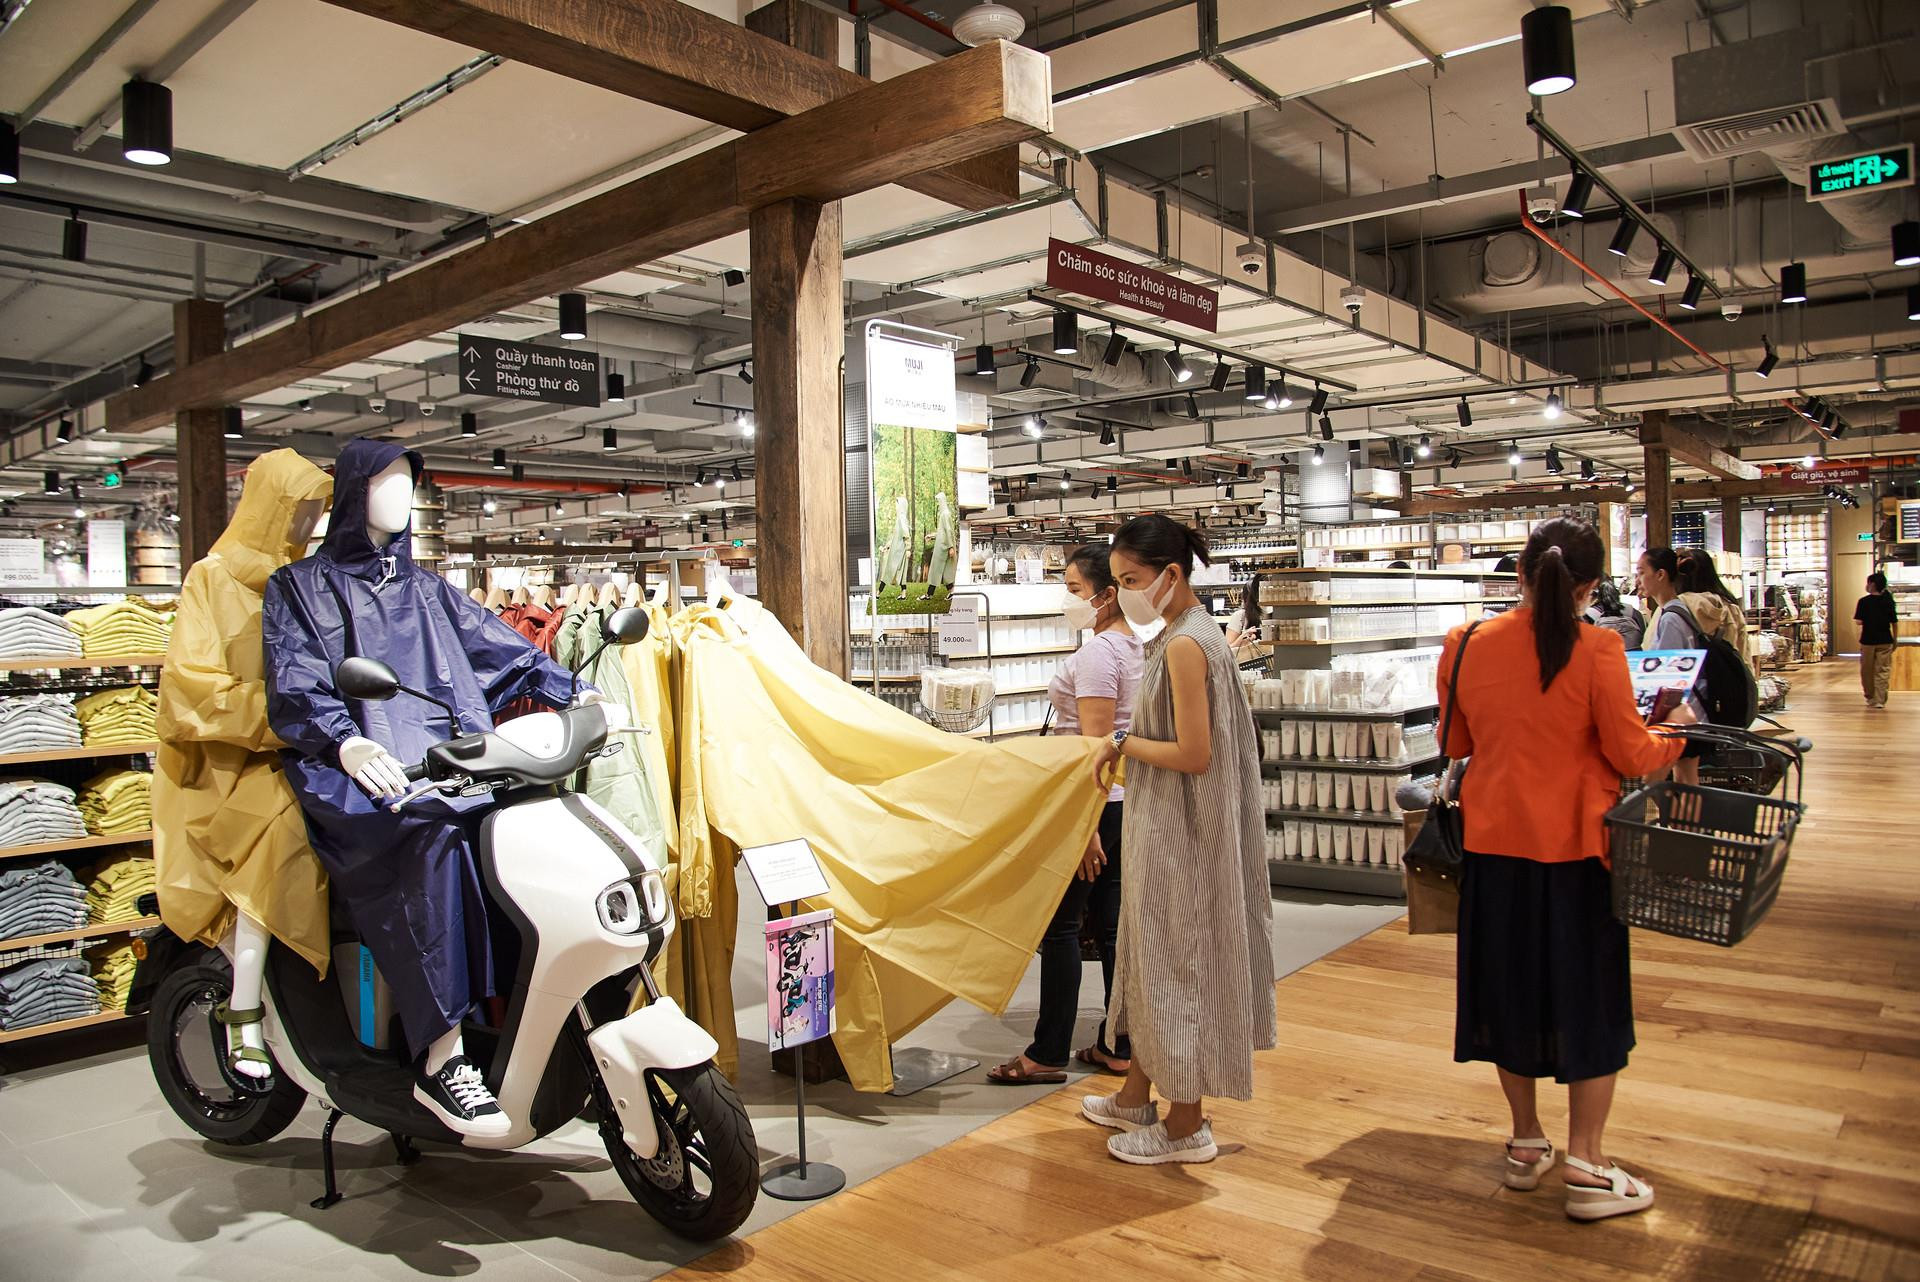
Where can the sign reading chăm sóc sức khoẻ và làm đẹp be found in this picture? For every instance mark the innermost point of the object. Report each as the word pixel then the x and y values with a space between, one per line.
pixel 1115 280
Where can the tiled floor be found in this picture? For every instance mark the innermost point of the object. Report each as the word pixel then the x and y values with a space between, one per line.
pixel 99 1181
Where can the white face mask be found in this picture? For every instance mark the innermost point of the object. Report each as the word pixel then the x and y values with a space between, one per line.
pixel 1143 607
pixel 1081 613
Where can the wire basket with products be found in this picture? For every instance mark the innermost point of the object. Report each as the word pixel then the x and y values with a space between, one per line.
pixel 1702 862
pixel 954 699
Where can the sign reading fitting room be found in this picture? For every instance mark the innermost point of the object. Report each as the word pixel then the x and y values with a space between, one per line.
pixel 557 375
pixel 1115 280
pixel 1867 171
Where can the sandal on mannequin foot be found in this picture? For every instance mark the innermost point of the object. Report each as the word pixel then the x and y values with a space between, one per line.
pixel 238 1052
pixel 1623 1195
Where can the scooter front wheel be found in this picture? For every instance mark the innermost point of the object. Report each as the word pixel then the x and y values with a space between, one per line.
pixel 703 1181
pixel 189 1064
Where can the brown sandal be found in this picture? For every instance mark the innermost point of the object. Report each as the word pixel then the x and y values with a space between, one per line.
pixel 1094 1057
pixel 1014 1073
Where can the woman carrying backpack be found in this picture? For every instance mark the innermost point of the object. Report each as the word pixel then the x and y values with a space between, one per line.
pixel 1713 607
pixel 1610 612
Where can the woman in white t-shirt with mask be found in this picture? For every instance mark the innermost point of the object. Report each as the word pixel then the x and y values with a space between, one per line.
pixel 1091 695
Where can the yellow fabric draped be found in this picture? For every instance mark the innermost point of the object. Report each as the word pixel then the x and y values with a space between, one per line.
pixel 227 830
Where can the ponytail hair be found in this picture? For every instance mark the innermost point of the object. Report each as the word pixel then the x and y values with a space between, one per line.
pixel 1698 574
pixel 1157 541
pixel 1561 555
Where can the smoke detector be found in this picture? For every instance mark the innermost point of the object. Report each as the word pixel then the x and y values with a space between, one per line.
pixel 986 22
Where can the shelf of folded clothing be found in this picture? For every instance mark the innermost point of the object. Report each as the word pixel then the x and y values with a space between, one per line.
pixel 35 662
pixel 77 843
pixel 79 754
pixel 85 932
pixel 63 1025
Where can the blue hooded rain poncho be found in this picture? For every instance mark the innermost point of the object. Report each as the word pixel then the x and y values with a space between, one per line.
pixel 408 880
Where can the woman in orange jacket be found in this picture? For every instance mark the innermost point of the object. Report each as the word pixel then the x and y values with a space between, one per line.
pixel 1544 707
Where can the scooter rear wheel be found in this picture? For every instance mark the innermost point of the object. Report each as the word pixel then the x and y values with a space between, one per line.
pixel 188 1064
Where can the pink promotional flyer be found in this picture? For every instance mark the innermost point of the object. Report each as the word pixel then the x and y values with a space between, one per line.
pixel 799 979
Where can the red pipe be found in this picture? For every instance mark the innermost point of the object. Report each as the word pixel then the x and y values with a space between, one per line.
pixel 921 18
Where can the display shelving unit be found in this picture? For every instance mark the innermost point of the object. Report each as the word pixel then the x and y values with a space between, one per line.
pixel 1388 594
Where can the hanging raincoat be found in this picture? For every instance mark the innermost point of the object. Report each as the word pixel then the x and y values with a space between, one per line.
pixel 407 880
pixel 227 831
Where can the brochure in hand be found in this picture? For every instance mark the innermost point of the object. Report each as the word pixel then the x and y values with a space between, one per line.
pixel 1663 679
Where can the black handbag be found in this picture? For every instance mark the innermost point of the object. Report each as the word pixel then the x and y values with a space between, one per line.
pixel 1438 852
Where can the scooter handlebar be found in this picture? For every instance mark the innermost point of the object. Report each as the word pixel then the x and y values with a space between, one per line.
pixel 416 772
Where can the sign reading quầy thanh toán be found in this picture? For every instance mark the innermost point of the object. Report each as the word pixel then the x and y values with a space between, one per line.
pixel 1867 171
pixel 521 371
pixel 1115 280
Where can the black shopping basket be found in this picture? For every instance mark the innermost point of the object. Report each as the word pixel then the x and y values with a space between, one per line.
pixel 1700 862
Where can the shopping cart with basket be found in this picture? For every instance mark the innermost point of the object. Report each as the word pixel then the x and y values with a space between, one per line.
pixel 1703 862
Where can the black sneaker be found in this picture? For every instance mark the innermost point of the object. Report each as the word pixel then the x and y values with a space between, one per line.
pixel 460 1098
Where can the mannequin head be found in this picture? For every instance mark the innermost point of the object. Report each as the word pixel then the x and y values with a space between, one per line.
pixel 389 501
pixel 306 517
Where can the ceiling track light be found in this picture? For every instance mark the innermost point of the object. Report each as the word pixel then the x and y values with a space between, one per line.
pixel 65 432
pixel 1177 365
pixel 1768 359
pixel 573 317
pixel 1326 428
pixel 1913 302
pixel 1513 453
pixel 1113 483
pixel 983 359
pixel 746 375
pixel 1690 297
pixel 1586 469
pixel 1066 333
pixel 1906 244
pixel 1425 448
pixel 9 154
pixel 1319 454
pixel 1115 349
pixel 51 483
pixel 1221 374
pixel 1243 469
pixel 1256 383
pixel 1793 283
pixel 1031 374
pixel 1193 407
pixel 1173 465
pixel 733 276
pixel 1035 427
pixel 1662 266
pixel 519 469
pixel 499 460
pixel 1319 403
pixel 1455 458
pixel 1579 192
pixel 1546 50
pixel 1554 405
pixel 1623 235
pixel 146 122
pixel 1406 455
pixel 230 423
pixel 609 439
pixel 73 240
pixel 736 471
pixel 616 388
pixel 469 423
pixel 1463 413
pixel 1106 433
pixel 1279 395
pixel 1554 465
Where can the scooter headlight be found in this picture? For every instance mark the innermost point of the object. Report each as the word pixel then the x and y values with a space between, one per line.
pixel 634 905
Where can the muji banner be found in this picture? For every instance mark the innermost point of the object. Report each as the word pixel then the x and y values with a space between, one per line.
pixel 1115 280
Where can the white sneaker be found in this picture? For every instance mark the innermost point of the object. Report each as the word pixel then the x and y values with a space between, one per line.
pixel 1149 1146
pixel 458 1096
pixel 1102 1111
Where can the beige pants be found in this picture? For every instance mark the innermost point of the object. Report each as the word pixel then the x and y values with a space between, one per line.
pixel 1876 670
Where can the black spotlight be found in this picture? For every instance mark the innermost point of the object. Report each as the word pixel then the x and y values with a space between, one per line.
pixel 1662 266
pixel 983 359
pixel 1906 241
pixel 66 430
pixel 609 439
pixel 1546 50
pixel 1579 192
pixel 1425 448
pixel 1221 374
pixel 1009 509
pixel 1173 465
pixel 1113 483
pixel 519 469
pixel 1177 366
pixel 1623 235
pixel 1513 454
pixel 1326 428
pixel 1106 433
pixel 573 317
pixel 146 122
pixel 469 424
pixel 1243 469
pixel 1690 297
pixel 736 470
pixel 1319 403
pixel 73 240
pixel 1031 374
pixel 1586 469
pixel 1319 453
pixel 1406 455
pixel 1455 458
pixel 9 155
pixel 1193 407
pixel 1279 396
pixel 142 373
pixel 499 460
pixel 1554 465
pixel 746 375
pixel 1256 376
pixel 1116 348
pixel 230 423
pixel 1913 302
pixel 1771 358
pixel 1793 283
pixel 616 387
pixel 1066 333
pixel 1463 413
pixel 52 483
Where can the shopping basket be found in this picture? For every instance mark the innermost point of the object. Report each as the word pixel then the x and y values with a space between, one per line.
pixel 1700 862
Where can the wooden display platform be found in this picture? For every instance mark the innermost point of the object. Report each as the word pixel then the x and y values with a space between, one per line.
pixel 1770 1102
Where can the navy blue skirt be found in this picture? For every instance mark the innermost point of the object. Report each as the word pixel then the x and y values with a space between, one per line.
pixel 1543 986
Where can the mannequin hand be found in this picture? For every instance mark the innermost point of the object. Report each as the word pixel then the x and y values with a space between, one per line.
pixel 617 719
pixel 1094 859
pixel 377 771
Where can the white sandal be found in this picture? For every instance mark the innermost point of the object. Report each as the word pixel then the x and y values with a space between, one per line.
pixel 1525 1176
pixel 1624 1195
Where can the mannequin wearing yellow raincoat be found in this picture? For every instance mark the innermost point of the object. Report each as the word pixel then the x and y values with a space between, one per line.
pixel 228 834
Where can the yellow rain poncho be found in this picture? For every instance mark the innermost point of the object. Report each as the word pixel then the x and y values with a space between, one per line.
pixel 227 831
pixel 946 855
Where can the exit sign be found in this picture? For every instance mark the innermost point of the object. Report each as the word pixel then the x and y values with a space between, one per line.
pixel 1869 171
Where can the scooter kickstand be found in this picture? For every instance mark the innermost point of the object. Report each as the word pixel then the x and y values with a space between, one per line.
pixel 332 1194
pixel 405 1151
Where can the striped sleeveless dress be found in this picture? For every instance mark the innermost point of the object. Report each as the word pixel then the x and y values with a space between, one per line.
pixel 1193 979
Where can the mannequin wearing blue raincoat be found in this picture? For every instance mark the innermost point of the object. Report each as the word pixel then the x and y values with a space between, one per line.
pixel 408 879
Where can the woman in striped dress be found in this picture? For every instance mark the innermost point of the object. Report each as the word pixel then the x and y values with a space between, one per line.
pixel 1193 981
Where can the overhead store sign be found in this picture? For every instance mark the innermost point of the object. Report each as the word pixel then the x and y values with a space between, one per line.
pixel 1910 521
pixel 1868 171
pixel 1826 474
pixel 521 371
pixel 1115 280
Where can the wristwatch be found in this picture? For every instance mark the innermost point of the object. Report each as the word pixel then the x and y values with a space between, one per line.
pixel 1118 738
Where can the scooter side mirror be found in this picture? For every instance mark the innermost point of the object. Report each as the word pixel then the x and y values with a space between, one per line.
pixel 363 678
pixel 626 627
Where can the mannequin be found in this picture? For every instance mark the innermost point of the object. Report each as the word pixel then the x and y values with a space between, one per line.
pixel 408 880
pixel 940 561
pixel 234 868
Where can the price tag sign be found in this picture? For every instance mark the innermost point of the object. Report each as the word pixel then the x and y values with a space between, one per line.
pixel 960 628
pixel 786 871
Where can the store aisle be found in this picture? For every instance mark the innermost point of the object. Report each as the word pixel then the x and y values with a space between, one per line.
pixel 1770 1102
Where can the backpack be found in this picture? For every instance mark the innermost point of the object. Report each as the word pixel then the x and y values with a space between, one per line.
pixel 1727 689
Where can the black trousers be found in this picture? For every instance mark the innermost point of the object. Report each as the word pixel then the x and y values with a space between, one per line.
pixel 1060 953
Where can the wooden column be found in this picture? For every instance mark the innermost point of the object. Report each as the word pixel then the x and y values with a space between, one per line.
pixel 200 443
pixel 799 337
pixel 1730 525
pixel 1659 481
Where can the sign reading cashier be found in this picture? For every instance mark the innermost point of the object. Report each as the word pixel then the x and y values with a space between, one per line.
pixel 1115 280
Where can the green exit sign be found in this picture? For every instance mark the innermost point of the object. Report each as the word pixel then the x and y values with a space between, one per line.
pixel 1869 171
pixel 1864 538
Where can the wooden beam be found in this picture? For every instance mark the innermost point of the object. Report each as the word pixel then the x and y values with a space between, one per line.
pixel 1689 448
pixel 1506 500
pixel 200 443
pixel 1765 487
pixel 798 25
pixel 1659 498
pixel 678 56
pixel 977 100
pixel 1730 524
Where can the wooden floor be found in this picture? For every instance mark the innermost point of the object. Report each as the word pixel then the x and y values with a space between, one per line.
pixel 1774 1102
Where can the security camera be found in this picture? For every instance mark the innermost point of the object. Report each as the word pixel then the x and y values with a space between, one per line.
pixel 427 408
pixel 1541 205
pixel 1731 311
pixel 1252 259
pixel 377 404
pixel 1353 298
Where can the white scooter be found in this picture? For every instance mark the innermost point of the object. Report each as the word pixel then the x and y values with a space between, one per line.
pixel 579 910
